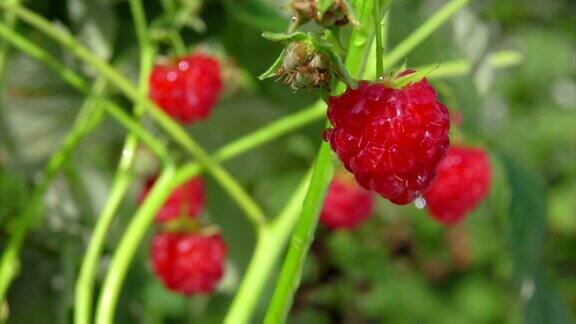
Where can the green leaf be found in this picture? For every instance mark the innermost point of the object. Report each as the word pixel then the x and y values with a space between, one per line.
pixel 285 37
pixel 271 72
pixel 527 218
pixel 544 304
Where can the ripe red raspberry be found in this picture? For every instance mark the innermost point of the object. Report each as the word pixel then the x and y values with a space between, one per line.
pixel 188 88
pixel 462 182
pixel 390 139
pixel 347 205
pixel 188 263
pixel 187 200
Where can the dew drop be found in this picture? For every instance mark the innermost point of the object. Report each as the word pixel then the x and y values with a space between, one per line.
pixel 361 38
pixel 420 202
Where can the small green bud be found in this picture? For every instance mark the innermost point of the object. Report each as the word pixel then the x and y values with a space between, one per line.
pixel 304 66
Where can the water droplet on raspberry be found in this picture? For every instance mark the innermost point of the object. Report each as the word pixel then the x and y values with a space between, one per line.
pixel 420 202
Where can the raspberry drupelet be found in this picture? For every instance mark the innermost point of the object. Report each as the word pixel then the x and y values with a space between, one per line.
pixel 188 88
pixel 188 263
pixel 187 200
pixel 463 181
pixel 390 139
pixel 347 205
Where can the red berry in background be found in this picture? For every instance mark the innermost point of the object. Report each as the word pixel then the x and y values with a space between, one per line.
pixel 390 139
pixel 463 181
pixel 188 263
pixel 347 205
pixel 188 88
pixel 187 200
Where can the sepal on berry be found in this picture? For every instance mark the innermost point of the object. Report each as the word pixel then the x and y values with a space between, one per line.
pixel 401 77
pixel 307 61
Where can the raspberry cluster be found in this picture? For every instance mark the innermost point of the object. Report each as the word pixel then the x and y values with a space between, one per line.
pixel 188 88
pixel 390 139
pixel 185 257
pixel 463 181
pixel 347 205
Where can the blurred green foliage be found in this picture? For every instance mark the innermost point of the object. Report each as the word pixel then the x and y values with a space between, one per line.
pixel 513 260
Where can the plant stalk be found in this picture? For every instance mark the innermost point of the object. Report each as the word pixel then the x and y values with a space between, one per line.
pixel 423 31
pixel 121 183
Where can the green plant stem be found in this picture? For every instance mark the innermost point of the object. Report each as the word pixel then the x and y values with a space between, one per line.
pixel 85 282
pixel 301 238
pixel 129 243
pixel 172 33
pixel 303 235
pixel 422 32
pixel 88 116
pixel 496 60
pixel 136 232
pixel 79 83
pixel 177 42
pixel 378 37
pixel 230 185
pixel 270 243
pixel 122 180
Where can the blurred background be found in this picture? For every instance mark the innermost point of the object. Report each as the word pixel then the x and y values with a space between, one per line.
pixel 513 260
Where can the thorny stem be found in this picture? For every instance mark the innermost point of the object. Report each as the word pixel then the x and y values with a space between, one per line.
pixel 230 185
pixel 121 182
